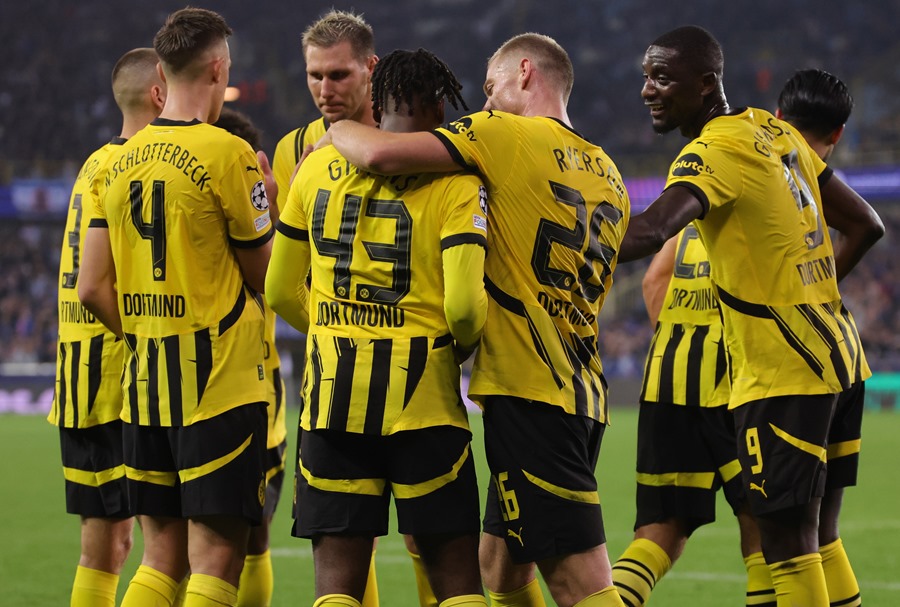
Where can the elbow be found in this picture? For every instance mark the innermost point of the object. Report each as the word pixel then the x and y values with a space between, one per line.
pixel 378 160
pixel 874 230
pixel 466 322
pixel 275 297
pixel 88 295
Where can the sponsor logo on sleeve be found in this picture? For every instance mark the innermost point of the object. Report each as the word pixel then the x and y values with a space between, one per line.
pixel 258 196
pixel 479 222
pixel 690 165
pixel 460 126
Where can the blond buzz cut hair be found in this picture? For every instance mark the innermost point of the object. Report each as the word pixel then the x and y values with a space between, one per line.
pixel 549 57
pixel 337 26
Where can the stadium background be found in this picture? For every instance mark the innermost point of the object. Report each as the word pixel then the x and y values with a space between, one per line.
pixel 56 107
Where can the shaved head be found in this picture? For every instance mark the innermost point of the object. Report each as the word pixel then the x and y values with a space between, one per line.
pixel 132 78
pixel 696 47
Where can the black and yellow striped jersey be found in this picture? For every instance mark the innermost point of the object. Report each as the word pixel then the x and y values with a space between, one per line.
pixel 687 363
pixel 288 152
pixel 379 352
pixel 89 358
pixel 176 199
pixel 771 256
pixel 558 212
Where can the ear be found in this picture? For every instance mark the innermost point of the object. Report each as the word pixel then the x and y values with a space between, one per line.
pixel 836 135
pixel 439 112
pixel 157 96
pixel 370 63
pixel 217 72
pixel 526 71
pixel 778 113
pixel 710 83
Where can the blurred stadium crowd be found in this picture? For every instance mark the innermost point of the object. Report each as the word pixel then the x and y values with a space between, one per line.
pixel 56 107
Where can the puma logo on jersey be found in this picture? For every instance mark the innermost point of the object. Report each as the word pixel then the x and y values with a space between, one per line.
pixel 250 168
pixel 761 488
pixel 518 536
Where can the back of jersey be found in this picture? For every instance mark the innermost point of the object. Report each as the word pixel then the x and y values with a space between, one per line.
pixel 89 356
pixel 176 199
pixel 380 355
pixel 558 211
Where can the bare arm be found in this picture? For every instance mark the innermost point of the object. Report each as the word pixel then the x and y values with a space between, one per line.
pixel 465 301
pixel 286 291
pixel 664 218
pixel 656 280
pixel 857 224
pixel 97 279
pixel 389 153
pixel 253 264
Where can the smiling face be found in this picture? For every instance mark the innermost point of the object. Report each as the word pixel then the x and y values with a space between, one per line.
pixel 339 81
pixel 672 90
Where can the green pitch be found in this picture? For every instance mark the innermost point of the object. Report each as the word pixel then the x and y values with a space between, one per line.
pixel 40 543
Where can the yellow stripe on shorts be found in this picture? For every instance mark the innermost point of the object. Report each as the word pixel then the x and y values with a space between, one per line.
pixel 93 479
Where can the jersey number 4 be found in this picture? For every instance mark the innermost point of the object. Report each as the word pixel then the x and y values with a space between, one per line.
pixel 155 229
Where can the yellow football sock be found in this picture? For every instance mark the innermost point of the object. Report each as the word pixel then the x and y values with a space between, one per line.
pixel 843 589
pixel 150 588
pixel 423 586
pixel 800 582
pixel 639 569
pixel 257 581
pixel 529 595
pixel 370 598
pixel 94 588
pixel 608 597
pixel 208 591
pixel 760 591
pixel 336 600
pixel 465 600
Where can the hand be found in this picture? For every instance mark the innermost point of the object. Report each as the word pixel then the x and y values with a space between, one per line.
pixel 309 149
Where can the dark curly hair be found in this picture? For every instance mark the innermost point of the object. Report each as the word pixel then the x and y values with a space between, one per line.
pixel 404 75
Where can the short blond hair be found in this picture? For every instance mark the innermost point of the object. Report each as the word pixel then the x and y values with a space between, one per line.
pixel 337 26
pixel 550 58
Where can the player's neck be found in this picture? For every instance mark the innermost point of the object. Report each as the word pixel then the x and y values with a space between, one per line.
pixel 134 122
pixel 548 108
pixel 719 107
pixel 188 103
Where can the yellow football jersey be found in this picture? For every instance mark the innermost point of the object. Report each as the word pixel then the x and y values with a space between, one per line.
pixel 558 213
pixel 89 357
pixel 771 256
pixel 176 199
pixel 687 363
pixel 276 399
pixel 288 152
pixel 379 352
